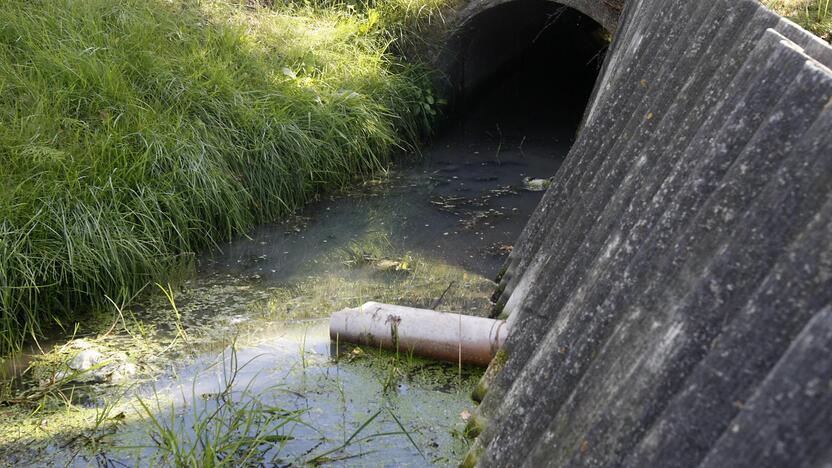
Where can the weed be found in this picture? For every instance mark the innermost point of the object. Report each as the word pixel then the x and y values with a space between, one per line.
pixel 338 453
pixel 233 427
pixel 302 350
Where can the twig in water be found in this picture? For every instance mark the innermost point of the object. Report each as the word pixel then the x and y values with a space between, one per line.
pixel 499 145
pixel 439 301
pixel 550 20
pixel 459 350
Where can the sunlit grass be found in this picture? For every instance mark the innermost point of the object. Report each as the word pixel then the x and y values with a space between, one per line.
pixel 134 132
pixel 406 21
pixel 813 15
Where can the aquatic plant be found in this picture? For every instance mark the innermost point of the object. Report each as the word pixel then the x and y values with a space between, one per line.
pixel 238 427
pixel 332 455
pixel 232 427
pixel 239 416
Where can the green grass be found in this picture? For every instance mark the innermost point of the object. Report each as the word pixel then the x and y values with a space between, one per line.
pixel 233 427
pixel 135 132
pixel 236 427
pixel 813 15
pixel 415 27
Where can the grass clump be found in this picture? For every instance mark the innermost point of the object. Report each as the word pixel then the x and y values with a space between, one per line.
pixel 232 427
pixel 411 25
pixel 133 132
pixel 812 15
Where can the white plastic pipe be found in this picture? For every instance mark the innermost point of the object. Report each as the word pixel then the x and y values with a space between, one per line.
pixel 428 333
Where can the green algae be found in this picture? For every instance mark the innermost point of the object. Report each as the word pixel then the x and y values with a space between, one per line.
pixel 494 367
pixel 472 457
pixel 210 310
pixel 423 395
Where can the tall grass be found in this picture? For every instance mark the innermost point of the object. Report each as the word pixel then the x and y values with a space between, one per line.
pixel 133 132
pixel 813 15
pixel 410 24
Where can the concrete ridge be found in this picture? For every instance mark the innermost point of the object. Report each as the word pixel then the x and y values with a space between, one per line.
pixel 667 295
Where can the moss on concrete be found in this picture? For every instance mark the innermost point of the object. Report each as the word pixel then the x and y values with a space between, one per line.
pixel 472 458
pixel 494 368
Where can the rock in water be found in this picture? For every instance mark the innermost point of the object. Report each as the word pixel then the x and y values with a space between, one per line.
pixel 123 373
pixel 536 185
pixel 86 360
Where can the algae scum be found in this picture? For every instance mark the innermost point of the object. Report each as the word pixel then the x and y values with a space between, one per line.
pixel 236 364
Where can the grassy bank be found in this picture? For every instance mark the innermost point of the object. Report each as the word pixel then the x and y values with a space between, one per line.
pixel 813 15
pixel 134 132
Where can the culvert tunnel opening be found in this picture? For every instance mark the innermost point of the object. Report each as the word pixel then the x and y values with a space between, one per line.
pixel 520 75
pixel 524 72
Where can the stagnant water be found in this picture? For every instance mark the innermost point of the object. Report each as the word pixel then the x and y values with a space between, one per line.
pixel 248 335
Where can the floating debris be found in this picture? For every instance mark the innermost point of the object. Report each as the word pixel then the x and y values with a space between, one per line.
pixel 536 185
pixel 478 218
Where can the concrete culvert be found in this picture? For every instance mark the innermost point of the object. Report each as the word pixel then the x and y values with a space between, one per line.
pixel 523 68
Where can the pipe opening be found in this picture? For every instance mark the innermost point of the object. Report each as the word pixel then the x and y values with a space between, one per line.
pixel 525 70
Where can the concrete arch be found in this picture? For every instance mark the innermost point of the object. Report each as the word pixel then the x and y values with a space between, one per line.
pixel 604 12
pixel 489 37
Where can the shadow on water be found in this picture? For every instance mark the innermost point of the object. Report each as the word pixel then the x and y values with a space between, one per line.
pixel 440 222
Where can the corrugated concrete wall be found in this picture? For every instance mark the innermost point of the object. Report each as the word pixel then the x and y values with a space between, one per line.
pixel 670 298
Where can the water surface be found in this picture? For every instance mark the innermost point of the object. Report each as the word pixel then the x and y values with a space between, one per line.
pixel 433 232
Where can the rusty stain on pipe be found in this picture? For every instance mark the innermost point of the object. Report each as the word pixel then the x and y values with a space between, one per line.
pixel 427 333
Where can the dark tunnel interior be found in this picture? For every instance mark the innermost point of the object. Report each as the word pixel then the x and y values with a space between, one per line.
pixel 525 70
